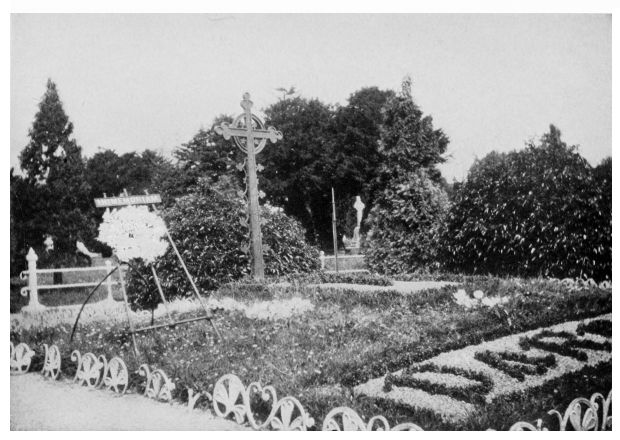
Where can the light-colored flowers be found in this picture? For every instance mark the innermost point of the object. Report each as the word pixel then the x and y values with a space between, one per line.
pixel 134 232
pixel 463 299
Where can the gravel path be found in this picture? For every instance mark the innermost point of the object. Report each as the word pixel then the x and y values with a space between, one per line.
pixel 42 404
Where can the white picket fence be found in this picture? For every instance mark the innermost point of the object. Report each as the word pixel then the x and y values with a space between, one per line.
pixel 33 288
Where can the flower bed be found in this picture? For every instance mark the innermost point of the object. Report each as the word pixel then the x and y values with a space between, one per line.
pixel 489 371
pixel 345 339
pixel 598 327
pixel 516 365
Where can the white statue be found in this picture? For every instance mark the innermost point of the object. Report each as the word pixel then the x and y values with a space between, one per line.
pixel 84 250
pixel 354 243
pixel 49 243
pixel 359 207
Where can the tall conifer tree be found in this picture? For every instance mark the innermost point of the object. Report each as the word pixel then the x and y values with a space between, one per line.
pixel 57 198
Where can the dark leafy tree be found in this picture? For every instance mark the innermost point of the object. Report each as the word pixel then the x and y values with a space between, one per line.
pixel 110 174
pixel 208 155
pixel 355 158
pixel 27 225
pixel 296 174
pixel 408 140
pixel 406 220
pixel 535 212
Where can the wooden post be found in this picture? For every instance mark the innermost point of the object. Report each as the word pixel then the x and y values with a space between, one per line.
pixel 161 292
pixel 128 312
pixel 109 268
pixel 334 232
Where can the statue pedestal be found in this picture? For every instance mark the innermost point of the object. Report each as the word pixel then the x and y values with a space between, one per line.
pixel 97 260
pixel 352 245
pixel 353 250
pixel 346 263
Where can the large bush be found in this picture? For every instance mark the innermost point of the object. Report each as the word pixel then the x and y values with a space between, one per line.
pixel 207 226
pixel 540 211
pixel 405 221
pixel 405 225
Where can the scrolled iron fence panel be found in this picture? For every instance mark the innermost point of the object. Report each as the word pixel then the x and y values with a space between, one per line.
pixel 231 398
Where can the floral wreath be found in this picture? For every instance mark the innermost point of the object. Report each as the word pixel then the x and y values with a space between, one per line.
pixel 134 232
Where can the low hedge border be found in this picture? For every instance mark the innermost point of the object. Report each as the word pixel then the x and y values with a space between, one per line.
pixel 567 348
pixel 600 327
pixel 530 365
pixel 370 279
pixel 474 393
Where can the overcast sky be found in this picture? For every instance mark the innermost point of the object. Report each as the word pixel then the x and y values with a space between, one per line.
pixel 491 82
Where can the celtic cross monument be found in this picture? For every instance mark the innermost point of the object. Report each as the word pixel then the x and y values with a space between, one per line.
pixel 250 136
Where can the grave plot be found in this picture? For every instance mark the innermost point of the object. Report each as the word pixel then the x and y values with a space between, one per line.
pixel 453 384
pixel 318 345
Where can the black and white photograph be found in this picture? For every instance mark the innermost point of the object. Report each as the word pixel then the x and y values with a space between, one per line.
pixel 313 221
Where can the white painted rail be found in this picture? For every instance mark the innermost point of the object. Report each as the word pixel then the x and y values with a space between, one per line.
pixel 34 287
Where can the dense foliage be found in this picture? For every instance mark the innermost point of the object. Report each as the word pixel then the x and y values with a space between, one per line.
pixel 324 147
pixel 406 226
pixel 109 173
pixel 52 195
pixel 538 211
pixel 406 219
pixel 207 155
pixel 208 226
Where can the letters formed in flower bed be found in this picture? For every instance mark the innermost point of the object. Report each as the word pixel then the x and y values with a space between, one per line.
pixel 465 378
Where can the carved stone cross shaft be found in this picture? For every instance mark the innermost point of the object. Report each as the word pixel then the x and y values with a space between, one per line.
pixel 245 130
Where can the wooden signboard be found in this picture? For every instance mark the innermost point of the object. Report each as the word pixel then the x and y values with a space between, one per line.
pixel 147 199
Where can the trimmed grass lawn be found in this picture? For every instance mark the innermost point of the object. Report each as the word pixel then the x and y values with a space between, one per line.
pixel 350 337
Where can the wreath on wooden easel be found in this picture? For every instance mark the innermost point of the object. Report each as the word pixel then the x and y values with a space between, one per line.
pixel 134 232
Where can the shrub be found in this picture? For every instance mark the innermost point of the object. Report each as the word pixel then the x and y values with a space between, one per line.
pixel 536 212
pixel 208 228
pixel 405 225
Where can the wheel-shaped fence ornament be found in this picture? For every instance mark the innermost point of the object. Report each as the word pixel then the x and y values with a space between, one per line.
pixel 346 419
pixel 602 407
pixel 288 415
pixel 158 386
pixel 526 426
pixel 116 376
pixel 51 364
pixel 606 417
pixel 343 418
pixel 228 398
pixel 21 358
pixel 378 423
pixel 581 414
pixel 406 427
pixel 266 394
pixel 193 397
pixel 90 369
